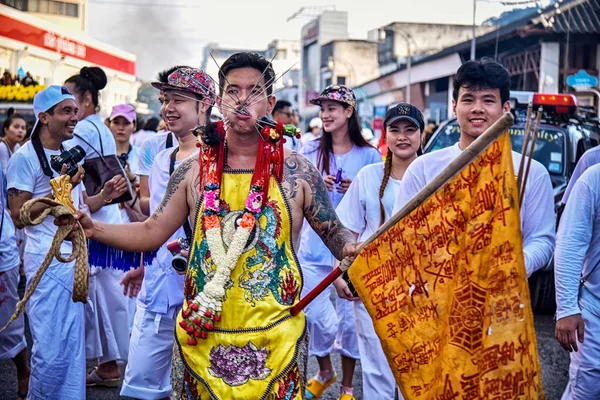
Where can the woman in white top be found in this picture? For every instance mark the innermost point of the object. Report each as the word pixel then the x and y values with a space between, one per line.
pixel 366 206
pixel 14 129
pixel 13 133
pixel 339 154
pixel 107 312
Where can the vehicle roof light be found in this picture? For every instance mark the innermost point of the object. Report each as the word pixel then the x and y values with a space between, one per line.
pixel 557 100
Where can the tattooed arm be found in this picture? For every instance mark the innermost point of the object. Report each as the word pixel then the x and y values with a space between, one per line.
pixel 303 183
pixel 170 215
pixel 16 199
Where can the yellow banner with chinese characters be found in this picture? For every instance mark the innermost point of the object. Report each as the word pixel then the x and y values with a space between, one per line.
pixel 447 290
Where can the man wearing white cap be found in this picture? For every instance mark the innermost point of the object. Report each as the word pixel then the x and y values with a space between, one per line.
pixel 56 322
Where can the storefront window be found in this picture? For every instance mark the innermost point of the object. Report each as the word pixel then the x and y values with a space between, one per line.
pixel 53 7
pixel 18 4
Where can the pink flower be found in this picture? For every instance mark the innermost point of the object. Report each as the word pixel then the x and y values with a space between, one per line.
pixel 211 200
pixel 254 202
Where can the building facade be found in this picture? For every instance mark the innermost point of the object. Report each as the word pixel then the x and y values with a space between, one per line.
pixel 34 43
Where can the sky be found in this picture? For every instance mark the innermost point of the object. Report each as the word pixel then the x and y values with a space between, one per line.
pixel 162 33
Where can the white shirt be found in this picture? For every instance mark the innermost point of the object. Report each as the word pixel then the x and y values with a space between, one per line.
pixel 92 130
pixel 9 251
pixel 578 247
pixel 589 158
pixel 25 173
pixel 312 250
pixel 149 148
pixel 138 137
pixel 5 154
pixel 162 287
pixel 537 213
pixel 359 209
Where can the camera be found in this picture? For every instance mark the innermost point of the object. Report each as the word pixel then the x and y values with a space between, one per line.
pixel 123 159
pixel 179 262
pixel 70 157
pixel 346 278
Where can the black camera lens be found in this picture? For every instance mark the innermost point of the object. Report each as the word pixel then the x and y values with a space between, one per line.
pixel 69 157
pixel 179 263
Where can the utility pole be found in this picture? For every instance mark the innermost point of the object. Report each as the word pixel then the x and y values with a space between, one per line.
pixel 473 40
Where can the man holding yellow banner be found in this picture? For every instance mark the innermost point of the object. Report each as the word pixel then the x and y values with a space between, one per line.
pixel 447 285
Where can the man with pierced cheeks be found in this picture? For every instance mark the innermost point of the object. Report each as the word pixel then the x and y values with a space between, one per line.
pixel 252 350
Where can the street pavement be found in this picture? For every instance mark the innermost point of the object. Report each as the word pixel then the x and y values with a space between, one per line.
pixel 554 361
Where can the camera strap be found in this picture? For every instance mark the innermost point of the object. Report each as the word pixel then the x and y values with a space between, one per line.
pixel 169 142
pixel 186 227
pixel 41 155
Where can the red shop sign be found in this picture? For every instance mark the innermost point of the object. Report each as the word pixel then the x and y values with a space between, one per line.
pixel 21 31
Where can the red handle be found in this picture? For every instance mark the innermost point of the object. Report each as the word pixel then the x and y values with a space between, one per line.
pixel 324 284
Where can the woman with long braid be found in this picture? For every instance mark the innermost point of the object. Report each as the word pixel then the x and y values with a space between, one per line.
pixel 362 212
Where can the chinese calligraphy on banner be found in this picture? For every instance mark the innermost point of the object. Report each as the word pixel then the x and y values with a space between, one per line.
pixel 447 290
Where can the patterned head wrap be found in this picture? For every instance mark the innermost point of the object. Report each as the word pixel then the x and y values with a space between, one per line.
pixel 340 93
pixel 191 80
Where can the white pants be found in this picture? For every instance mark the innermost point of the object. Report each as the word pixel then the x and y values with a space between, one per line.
pixel 57 330
pixel 12 340
pixel 584 371
pixel 148 372
pixel 107 317
pixel 330 328
pixel 377 377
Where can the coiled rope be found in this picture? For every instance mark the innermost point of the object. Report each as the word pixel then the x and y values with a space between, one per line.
pixel 79 253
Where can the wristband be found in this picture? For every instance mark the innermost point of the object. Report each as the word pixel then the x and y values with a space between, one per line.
pixel 102 197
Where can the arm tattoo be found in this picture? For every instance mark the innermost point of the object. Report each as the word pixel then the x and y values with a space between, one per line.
pixel 173 185
pixel 318 210
pixel 12 193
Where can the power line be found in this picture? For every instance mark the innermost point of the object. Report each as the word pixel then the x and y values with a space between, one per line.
pixel 129 4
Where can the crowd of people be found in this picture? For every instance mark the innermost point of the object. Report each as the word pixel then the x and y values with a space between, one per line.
pixel 221 327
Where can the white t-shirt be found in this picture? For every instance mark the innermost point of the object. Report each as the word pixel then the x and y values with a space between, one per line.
pixel 92 130
pixel 537 213
pixel 312 250
pixel 25 173
pixel 149 148
pixel 359 209
pixel 9 251
pixel 5 154
pixel 138 137
pixel 162 287
pixel 578 247
pixel 589 158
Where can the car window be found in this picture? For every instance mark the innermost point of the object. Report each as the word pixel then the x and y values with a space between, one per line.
pixel 549 147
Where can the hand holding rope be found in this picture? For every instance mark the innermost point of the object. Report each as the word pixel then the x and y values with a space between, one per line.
pixel 79 253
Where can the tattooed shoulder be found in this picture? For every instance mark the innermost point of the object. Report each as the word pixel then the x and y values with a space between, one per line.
pixel 174 184
pixel 292 179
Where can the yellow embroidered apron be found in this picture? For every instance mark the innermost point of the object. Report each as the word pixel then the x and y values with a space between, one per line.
pixel 253 351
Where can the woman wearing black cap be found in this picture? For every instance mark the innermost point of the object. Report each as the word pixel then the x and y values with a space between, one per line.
pixel 365 207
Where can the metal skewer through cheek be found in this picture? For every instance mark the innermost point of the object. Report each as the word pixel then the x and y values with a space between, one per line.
pixel 259 78
pixel 224 77
pixel 256 97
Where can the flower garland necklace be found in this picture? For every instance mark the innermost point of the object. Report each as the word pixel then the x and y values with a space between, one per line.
pixel 205 309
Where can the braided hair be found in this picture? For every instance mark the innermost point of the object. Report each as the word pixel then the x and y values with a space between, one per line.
pixel 387 170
